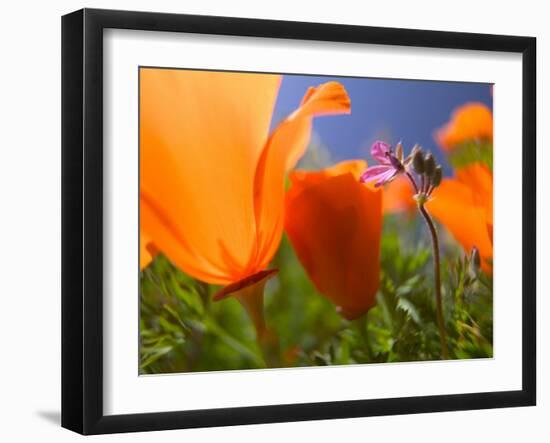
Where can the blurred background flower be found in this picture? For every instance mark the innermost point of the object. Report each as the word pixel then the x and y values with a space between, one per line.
pixel 472 122
pixel 468 136
pixel 464 205
pixel 398 197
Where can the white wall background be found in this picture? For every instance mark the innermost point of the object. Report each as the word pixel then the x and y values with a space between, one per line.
pixel 30 280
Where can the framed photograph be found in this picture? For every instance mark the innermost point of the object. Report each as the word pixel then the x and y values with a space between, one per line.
pixel 269 221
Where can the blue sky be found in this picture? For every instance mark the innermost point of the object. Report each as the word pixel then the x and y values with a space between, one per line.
pixel 390 110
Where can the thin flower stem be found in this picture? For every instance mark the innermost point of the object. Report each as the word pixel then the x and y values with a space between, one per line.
pixel 437 282
pixel 415 186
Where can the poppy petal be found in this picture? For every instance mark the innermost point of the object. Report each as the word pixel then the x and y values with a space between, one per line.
pixel 147 251
pixel 201 135
pixel 335 228
pixel 301 179
pixel 284 148
pixel 480 179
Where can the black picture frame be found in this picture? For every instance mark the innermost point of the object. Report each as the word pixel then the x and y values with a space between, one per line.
pixel 82 219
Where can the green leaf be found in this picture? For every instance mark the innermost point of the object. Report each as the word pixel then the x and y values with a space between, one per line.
pixel 154 356
pixel 409 308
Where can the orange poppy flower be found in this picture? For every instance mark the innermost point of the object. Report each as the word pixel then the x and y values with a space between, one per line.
pixel 470 122
pixel 334 224
pixel 212 178
pixel 464 205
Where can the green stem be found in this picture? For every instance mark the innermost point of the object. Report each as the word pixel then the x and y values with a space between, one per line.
pixel 268 342
pixel 362 325
pixel 437 282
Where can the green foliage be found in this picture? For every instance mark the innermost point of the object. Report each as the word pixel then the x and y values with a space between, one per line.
pixel 404 324
pixel 182 329
pixel 471 152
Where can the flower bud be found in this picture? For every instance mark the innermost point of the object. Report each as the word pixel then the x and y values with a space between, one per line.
pixel 429 165
pixel 399 151
pixel 438 175
pixel 410 157
pixel 418 161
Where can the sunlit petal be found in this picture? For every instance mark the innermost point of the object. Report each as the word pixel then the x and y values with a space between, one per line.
pixel 201 136
pixel 285 146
